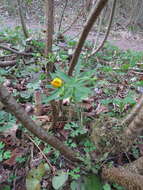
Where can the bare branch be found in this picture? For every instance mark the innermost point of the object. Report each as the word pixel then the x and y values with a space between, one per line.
pixel 74 21
pixel 14 108
pixel 62 15
pixel 15 51
pixel 107 32
pixel 88 25
pixel 7 63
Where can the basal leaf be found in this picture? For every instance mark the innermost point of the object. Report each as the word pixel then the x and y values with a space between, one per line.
pixel 59 180
pixel 106 187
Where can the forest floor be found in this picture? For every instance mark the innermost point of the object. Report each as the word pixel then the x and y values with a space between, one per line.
pixel 123 39
pixel 110 85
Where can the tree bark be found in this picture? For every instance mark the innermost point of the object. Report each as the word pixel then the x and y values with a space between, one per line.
pixel 49 12
pixel 8 63
pixel 130 117
pixel 25 31
pixel 123 177
pixel 15 51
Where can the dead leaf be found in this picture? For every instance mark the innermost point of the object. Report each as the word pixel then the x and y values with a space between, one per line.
pixel 101 109
pixel 18 152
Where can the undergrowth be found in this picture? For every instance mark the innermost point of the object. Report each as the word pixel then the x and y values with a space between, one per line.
pixel 104 88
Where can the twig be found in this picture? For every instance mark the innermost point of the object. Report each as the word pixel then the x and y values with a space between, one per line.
pixel 5 56
pixel 42 153
pixel 107 32
pixel 7 63
pixel 15 51
pixel 76 18
pixel 75 36
pixel 62 15
pixel 98 30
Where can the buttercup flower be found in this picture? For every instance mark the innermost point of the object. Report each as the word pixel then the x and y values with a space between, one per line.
pixel 57 82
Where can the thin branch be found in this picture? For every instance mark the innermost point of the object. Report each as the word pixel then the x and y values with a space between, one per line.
pixel 88 25
pixel 9 55
pixel 107 32
pixel 8 63
pixel 25 31
pixel 42 153
pixel 63 12
pixel 16 109
pixel 15 51
pixel 99 29
pixel 74 21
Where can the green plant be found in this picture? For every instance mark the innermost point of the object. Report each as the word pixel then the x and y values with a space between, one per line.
pixel 120 102
pixel 73 88
pixel 14 36
pixel 75 173
pixel 11 178
pixel 6 187
pixel 88 146
pixel 59 180
pixel 87 182
pixel 107 187
pixel 21 159
pixel 118 187
pixel 135 151
pixel 75 129
pixel 4 155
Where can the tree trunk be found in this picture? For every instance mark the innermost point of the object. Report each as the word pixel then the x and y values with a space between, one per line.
pixel 49 12
pixel 25 31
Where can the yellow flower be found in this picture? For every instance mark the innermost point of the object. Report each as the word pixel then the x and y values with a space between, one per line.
pixel 57 82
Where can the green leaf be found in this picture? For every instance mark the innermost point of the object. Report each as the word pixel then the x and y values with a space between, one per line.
pixel 53 96
pixel 78 69
pixel 1 157
pixel 7 154
pixel 7 187
pixel 63 76
pixel 25 95
pixel 129 100
pixel 33 184
pixel 107 69
pixel 74 185
pixel 2 145
pixel 4 128
pixel 34 86
pixel 92 182
pixel 77 185
pixel 81 93
pixel 107 187
pixel 35 176
pixel 59 180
